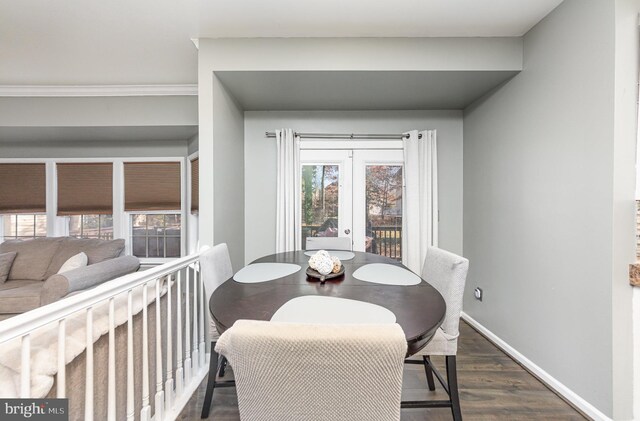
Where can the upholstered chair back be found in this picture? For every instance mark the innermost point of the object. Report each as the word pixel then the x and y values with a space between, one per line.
pixel 215 265
pixel 447 272
pixel 302 372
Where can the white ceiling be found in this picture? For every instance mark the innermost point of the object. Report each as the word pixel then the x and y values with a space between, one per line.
pixel 367 18
pixel 80 42
pixel 84 42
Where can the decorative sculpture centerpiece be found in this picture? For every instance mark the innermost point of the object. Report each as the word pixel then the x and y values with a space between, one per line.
pixel 323 266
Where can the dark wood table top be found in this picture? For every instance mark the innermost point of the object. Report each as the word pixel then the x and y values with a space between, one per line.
pixel 419 309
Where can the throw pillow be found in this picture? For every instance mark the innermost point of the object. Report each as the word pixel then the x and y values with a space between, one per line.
pixel 6 260
pixel 74 262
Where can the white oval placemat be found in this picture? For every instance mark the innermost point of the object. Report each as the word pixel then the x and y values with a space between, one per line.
pixel 342 255
pixel 331 310
pixel 383 273
pixel 262 272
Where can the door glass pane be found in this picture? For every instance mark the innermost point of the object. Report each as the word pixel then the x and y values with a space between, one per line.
pixel 383 234
pixel 320 188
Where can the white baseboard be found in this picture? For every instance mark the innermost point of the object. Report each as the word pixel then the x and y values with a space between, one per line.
pixel 562 390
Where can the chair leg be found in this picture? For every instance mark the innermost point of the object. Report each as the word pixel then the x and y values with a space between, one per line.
pixel 452 380
pixel 223 366
pixel 211 382
pixel 429 372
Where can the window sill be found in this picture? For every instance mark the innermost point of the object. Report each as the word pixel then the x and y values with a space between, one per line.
pixel 150 261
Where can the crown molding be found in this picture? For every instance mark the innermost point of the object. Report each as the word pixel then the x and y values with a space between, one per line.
pixel 97 90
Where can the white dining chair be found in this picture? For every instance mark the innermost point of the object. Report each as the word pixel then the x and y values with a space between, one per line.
pixel 446 272
pixel 215 267
pixel 329 243
pixel 316 372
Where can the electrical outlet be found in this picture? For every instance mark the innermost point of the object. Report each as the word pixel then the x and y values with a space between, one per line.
pixel 478 293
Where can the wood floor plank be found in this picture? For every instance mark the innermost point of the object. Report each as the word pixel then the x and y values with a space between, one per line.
pixel 492 387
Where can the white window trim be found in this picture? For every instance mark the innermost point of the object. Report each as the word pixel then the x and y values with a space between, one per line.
pixel 58 226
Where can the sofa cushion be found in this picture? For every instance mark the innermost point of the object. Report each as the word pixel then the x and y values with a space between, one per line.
pixel 20 296
pixel 96 250
pixel 33 257
pixel 18 283
pixel 6 261
pixel 61 285
pixel 80 260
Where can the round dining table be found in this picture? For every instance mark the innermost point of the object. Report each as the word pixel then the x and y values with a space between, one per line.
pixel 419 309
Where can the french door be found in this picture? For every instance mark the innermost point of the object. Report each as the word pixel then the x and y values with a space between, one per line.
pixel 355 194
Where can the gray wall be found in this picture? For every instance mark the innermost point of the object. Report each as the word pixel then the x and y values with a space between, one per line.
pixel 625 312
pixel 352 54
pixel 192 145
pixel 93 149
pixel 309 54
pixel 538 175
pixel 99 111
pixel 228 173
pixel 260 163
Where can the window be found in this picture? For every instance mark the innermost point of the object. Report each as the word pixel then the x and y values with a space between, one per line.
pixel 85 197
pixel 156 235
pixel 91 226
pixel 23 200
pixel 320 201
pixel 23 188
pixel 24 226
pixel 153 197
pixel 139 200
pixel 383 189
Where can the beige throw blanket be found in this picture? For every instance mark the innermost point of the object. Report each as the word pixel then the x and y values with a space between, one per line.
pixel 316 372
pixel 44 344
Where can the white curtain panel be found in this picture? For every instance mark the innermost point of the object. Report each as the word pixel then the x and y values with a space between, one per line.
pixel 420 206
pixel 288 196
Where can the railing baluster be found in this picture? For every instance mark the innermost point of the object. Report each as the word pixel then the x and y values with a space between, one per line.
pixel 183 363
pixel 88 388
pixel 203 306
pixel 61 383
pixel 159 393
pixel 25 367
pixel 168 387
pixel 130 383
pixel 145 412
pixel 179 369
pixel 195 357
pixel 187 330
pixel 386 246
pixel 111 375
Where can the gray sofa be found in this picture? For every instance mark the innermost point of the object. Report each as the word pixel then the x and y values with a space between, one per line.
pixel 34 280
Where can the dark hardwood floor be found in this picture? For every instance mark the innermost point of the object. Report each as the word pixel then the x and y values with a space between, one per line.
pixel 492 387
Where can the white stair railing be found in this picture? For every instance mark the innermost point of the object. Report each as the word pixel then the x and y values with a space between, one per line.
pixel 172 388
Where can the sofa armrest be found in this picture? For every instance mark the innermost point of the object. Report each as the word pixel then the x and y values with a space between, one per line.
pixel 60 285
